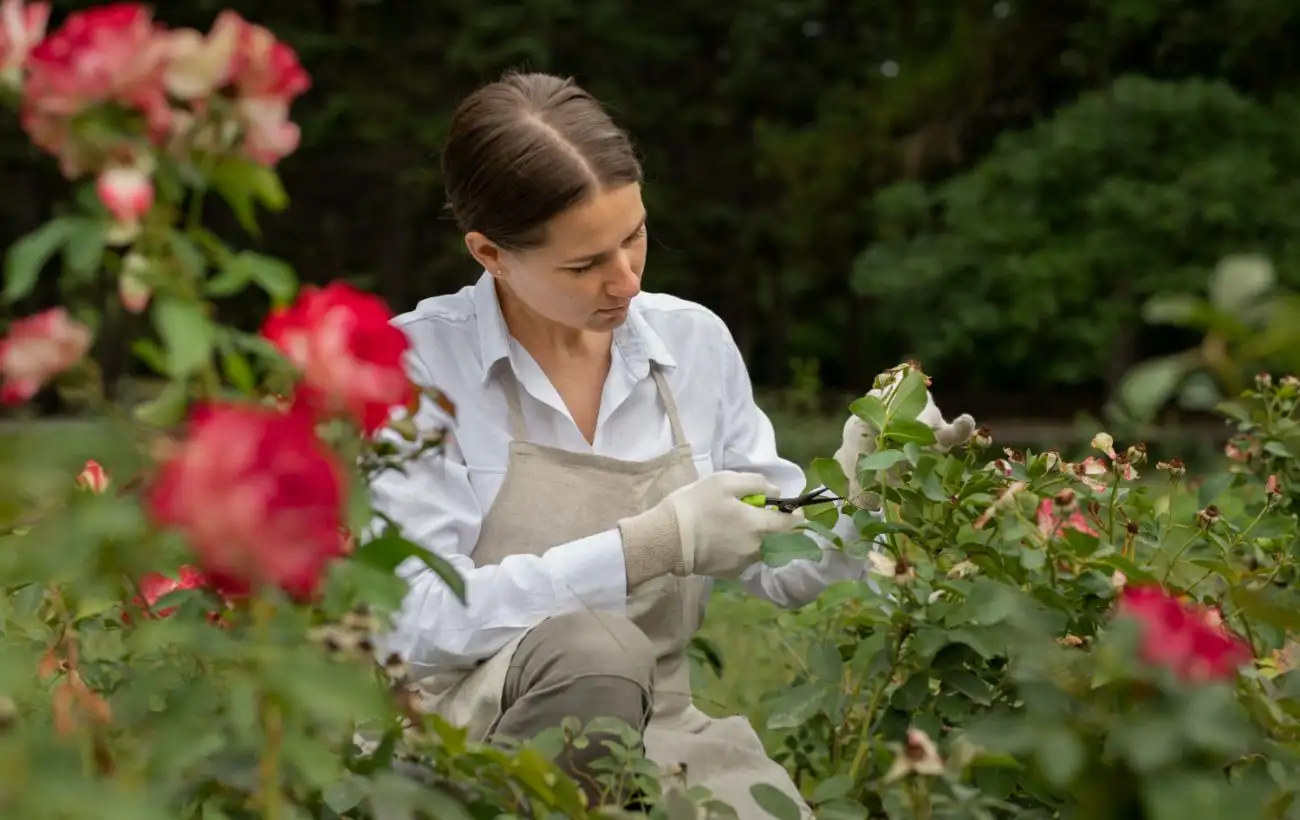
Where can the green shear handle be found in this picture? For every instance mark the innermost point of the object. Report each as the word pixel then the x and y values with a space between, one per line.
pixel 789 505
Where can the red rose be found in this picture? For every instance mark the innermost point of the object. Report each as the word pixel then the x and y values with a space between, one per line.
pixel 37 349
pixel 258 495
pixel 1182 637
pixel 348 351
pixel 154 586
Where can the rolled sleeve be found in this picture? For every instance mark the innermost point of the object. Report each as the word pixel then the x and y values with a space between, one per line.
pixel 747 442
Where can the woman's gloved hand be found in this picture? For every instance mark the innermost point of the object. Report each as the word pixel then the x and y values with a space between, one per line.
pixel 859 439
pixel 703 529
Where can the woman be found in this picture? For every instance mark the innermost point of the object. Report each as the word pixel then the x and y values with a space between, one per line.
pixel 589 491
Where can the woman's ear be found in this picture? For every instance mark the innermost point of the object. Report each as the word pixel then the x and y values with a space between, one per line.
pixel 484 251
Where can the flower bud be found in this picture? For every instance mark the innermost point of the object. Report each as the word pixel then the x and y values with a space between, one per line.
pixel 93 478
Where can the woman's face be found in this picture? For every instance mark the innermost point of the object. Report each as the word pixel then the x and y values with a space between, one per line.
pixel 590 267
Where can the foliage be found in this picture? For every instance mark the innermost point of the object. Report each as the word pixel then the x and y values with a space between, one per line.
pixel 1039 257
pixel 192 623
pixel 193 627
pixel 985 669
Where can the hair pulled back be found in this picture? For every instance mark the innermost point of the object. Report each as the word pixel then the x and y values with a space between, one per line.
pixel 524 149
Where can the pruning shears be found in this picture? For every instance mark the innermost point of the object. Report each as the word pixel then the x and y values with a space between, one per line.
pixel 789 505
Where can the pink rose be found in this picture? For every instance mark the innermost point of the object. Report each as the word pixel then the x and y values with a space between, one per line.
pixel 37 349
pixel 106 54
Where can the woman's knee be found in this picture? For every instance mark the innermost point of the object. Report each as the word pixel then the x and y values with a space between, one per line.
pixel 584 644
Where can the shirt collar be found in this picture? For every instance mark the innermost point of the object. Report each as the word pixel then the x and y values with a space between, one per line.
pixel 636 342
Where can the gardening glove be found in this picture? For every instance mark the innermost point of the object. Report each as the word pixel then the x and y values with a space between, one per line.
pixel 703 529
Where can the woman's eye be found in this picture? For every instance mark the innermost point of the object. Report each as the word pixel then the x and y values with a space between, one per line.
pixel 582 269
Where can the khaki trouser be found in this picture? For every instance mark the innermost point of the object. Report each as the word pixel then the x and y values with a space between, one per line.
pixel 586 665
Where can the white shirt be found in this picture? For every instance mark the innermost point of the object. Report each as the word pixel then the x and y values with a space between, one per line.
pixel 457 342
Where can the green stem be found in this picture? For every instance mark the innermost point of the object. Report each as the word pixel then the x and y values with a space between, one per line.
pixel 869 719
pixel 269 797
pixel 1110 509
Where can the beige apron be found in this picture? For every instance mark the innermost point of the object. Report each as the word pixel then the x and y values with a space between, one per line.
pixel 551 496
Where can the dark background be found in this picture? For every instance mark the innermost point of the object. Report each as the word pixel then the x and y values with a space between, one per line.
pixel 991 187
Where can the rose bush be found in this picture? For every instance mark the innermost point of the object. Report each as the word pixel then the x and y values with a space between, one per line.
pixel 197 586
pixel 1090 637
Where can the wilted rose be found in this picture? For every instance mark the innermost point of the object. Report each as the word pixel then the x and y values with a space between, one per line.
pixel 348 351
pixel 258 495
pixel 37 349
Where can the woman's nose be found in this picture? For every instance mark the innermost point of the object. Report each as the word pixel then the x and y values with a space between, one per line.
pixel 626 278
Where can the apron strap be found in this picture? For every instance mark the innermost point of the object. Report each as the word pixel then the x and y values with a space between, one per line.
pixel 515 411
pixel 670 404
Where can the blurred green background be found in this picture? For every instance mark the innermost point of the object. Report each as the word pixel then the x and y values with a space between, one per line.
pixel 992 188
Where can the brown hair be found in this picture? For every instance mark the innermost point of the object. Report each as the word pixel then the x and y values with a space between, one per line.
pixel 524 149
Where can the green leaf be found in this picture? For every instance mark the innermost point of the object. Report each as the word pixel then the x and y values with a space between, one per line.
pixel 244 185
pixel 796 705
pixel 1182 309
pixel 989 602
pixel 832 788
pixel 830 474
pixel 910 430
pixel 774 801
pixel 272 275
pixel 969 684
pixel 841 810
pixel 1060 755
pixel 908 399
pixel 1146 388
pixel 27 257
pixel 237 369
pixel 85 249
pixel 1213 487
pixel 825 661
pixel 187 333
pixel 1269 606
pixel 1188 796
pixel 870 410
pixel 167 409
pixel 881 460
pixel 787 546
pixel 387 552
pixel 1239 280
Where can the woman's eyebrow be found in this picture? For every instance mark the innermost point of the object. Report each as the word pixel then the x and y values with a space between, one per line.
pixel 598 257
